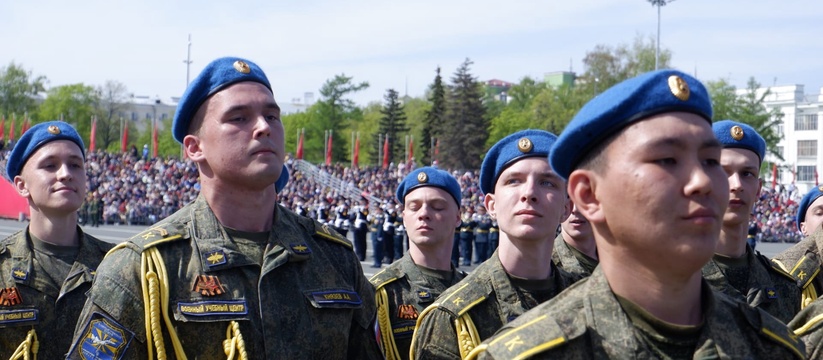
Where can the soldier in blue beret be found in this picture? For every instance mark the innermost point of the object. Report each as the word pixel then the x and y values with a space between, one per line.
pixel 233 273
pixel 736 269
pixel 528 200
pixel 48 267
pixel 643 166
pixel 575 250
pixel 431 199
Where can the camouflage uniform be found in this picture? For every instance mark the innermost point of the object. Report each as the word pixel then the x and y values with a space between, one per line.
pixel 768 287
pixel 567 258
pixel 588 322
pixel 802 262
pixel 808 325
pixel 308 300
pixel 408 291
pixel 28 292
pixel 487 296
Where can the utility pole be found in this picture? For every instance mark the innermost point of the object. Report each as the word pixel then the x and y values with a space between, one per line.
pixel 188 62
pixel 659 4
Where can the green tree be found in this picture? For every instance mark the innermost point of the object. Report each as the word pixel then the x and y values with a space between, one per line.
pixel 393 125
pixel 434 118
pixel 606 66
pixel 466 129
pixel 73 103
pixel 313 136
pixel 416 109
pixel 18 92
pixel 336 110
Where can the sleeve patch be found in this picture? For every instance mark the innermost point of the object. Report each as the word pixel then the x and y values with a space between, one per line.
pixel 103 338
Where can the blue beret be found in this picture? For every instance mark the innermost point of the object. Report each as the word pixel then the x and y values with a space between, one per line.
pixel 429 176
pixel 807 201
pixel 39 135
pixel 627 102
pixel 282 180
pixel 520 145
pixel 217 75
pixel 734 134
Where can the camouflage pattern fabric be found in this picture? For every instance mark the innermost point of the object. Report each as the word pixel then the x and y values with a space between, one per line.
pixel 567 258
pixel 802 261
pixel 769 288
pixel 487 296
pixel 29 298
pixel 409 291
pixel 808 325
pixel 587 322
pixel 309 300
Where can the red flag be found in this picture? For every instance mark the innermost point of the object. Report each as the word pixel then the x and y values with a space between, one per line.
pixel 299 154
pixel 11 130
pixel 93 135
pixel 328 150
pixel 25 126
pixel 774 176
pixel 154 138
pixel 386 153
pixel 124 142
pixel 436 149
pixel 2 128
pixel 411 149
pixel 356 151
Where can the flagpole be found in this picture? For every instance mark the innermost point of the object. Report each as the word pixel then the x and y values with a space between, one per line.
pixel 379 149
pixel 352 149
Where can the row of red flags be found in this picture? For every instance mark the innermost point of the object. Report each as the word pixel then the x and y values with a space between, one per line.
pixel 794 175
pixel 23 129
pixel 356 156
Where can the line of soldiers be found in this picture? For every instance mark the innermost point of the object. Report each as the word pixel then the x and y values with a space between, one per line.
pixel 651 261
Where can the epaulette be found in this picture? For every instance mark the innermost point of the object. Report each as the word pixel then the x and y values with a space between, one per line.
pixel 325 232
pixel 385 277
pixel 463 298
pixel 772 329
pixel 804 271
pixel 772 266
pixel 158 235
pixel 536 336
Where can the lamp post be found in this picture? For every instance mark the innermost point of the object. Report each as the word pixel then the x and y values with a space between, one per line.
pixel 659 4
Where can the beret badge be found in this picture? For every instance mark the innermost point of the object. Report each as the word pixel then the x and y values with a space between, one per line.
pixel 820 188
pixel 53 129
pixel 525 145
pixel 242 67
pixel 737 132
pixel 422 178
pixel 679 87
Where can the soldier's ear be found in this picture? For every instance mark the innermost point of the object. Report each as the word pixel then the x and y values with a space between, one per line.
pixel 21 186
pixel 582 188
pixel 488 202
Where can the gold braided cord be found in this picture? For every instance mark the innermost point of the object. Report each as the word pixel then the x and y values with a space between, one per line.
pixel 476 352
pixel 808 296
pixel 154 315
pixel 144 265
pixel 234 344
pixel 28 348
pixel 163 277
pixel 156 302
pixel 389 345
pixel 467 336
pixel 423 313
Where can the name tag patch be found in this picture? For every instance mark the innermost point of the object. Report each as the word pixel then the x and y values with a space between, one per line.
pixel 15 316
pixel 213 308
pixel 336 297
pixel 403 329
pixel 103 338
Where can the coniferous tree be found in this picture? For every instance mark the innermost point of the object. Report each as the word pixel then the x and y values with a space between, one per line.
pixel 434 118
pixel 337 111
pixel 466 129
pixel 393 125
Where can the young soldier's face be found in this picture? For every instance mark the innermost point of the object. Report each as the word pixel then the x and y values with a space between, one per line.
pixel 577 226
pixel 814 217
pixel 430 216
pixel 743 170
pixel 54 178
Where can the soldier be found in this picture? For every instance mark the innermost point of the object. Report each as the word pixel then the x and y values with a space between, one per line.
pixel 494 238
pixel 46 269
pixel 574 248
pixel 341 218
pixel 802 260
pixel 389 227
pixel 95 209
pixel 529 201
pixel 360 213
pixel 736 269
pixel 399 232
pixel 467 237
pixel 456 247
pixel 643 166
pixel 481 235
pixel 405 288
pixel 232 273
pixel 322 212
pixel 376 220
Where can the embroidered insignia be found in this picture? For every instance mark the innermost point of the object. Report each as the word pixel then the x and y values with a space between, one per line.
pixel 771 292
pixel 208 285
pixel 301 249
pixel 326 229
pixel 457 301
pixel 679 87
pixel 801 275
pixel 332 297
pixel 403 329
pixel 422 177
pixel 103 338
pixel 407 312
pixel 19 274
pixel 17 316
pixel 737 132
pixel 10 297
pixel 242 67
pixel 216 257
pixel 524 145
pixel 514 342
pixel 211 308
pixel 424 294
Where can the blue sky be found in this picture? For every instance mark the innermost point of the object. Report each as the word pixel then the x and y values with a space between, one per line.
pixel 398 44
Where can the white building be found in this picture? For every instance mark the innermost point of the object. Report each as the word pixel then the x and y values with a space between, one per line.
pixel 802 135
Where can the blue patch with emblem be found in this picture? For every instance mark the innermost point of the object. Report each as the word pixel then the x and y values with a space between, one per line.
pixel 18 317
pixel 213 308
pixel 424 294
pixel 332 297
pixel 215 258
pixel 403 329
pixel 103 338
pixel 771 293
pixel 19 274
pixel 300 249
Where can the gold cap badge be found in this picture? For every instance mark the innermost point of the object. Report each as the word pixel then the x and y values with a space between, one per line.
pixel 820 188
pixel 737 132
pixel 422 177
pixel 524 145
pixel 53 129
pixel 679 87
pixel 242 67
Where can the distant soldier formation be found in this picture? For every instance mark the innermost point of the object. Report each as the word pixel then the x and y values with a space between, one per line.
pixel 626 236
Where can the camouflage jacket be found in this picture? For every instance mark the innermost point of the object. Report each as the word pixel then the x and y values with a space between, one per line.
pixel 769 287
pixel 487 296
pixel 308 300
pixel 409 291
pixel 564 258
pixel 802 261
pixel 29 298
pixel 808 325
pixel 587 322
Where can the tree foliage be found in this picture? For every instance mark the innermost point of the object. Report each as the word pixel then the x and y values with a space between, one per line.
pixel 466 130
pixel 607 65
pixel 392 125
pixel 19 89
pixel 336 111
pixel 434 118
pixel 113 99
pixel 73 103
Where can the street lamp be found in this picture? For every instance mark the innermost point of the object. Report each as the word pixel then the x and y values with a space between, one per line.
pixel 658 3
